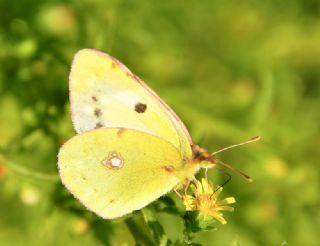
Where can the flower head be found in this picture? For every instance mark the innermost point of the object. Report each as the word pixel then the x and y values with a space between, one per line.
pixel 205 200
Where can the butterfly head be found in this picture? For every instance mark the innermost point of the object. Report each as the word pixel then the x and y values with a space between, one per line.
pixel 206 160
pixel 203 157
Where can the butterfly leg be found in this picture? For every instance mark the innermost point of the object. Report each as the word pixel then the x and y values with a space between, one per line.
pixel 187 186
pixel 206 173
pixel 177 192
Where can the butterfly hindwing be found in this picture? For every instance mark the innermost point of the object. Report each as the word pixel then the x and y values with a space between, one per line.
pixel 114 171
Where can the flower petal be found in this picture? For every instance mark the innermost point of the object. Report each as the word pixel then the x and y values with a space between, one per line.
pixel 219 218
pixel 207 189
pixel 226 208
pixel 228 200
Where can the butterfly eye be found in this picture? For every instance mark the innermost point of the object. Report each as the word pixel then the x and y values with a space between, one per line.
pixel 113 161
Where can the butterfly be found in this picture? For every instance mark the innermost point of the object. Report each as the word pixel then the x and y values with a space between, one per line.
pixel 130 148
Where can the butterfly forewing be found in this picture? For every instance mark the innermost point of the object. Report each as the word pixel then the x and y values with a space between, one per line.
pixel 104 93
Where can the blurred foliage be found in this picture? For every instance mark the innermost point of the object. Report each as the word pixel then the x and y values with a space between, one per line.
pixel 230 69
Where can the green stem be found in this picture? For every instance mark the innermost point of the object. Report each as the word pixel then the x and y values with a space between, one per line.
pixel 154 226
pixel 27 172
pixel 138 233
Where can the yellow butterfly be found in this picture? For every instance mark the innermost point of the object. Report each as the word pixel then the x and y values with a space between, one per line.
pixel 131 147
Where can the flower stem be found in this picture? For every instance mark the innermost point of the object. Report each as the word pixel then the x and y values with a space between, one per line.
pixel 139 234
pixel 27 172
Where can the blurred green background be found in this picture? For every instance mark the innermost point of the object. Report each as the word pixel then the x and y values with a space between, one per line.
pixel 230 69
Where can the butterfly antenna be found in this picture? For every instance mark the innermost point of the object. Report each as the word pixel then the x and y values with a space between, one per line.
pixel 247 177
pixel 251 140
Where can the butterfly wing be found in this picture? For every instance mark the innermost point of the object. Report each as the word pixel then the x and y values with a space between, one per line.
pixel 114 171
pixel 105 93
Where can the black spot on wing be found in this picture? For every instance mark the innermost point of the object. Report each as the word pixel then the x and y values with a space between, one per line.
pixel 140 107
pixel 98 125
pixel 97 112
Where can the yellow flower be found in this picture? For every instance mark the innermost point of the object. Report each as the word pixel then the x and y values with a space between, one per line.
pixel 205 200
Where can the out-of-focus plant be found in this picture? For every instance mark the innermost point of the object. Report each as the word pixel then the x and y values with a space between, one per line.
pixel 229 69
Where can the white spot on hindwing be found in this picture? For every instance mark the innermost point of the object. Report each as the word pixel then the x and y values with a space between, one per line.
pixel 113 161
